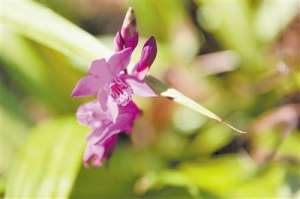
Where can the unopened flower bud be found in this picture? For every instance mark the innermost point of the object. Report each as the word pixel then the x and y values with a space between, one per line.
pixel 148 55
pixel 119 43
pixel 128 31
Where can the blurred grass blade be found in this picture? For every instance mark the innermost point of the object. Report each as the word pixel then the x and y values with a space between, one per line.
pixel 12 134
pixel 27 68
pixel 273 16
pixel 175 26
pixel 11 103
pixel 178 97
pixel 165 178
pixel 230 22
pixel 52 30
pixel 49 162
pixel 213 175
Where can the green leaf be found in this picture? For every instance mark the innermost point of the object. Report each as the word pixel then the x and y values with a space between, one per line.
pixel 11 103
pixel 175 27
pixel 230 22
pixel 176 96
pixel 115 179
pixel 11 136
pixel 46 27
pixel 29 70
pixel 160 179
pixel 49 162
pixel 264 184
pixel 212 175
pixel 210 140
pixel 273 16
pixel 217 175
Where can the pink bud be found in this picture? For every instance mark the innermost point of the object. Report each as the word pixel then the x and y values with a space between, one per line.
pixel 119 43
pixel 148 55
pixel 128 31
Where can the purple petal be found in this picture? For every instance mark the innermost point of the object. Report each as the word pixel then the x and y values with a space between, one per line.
pixel 98 134
pixel 99 68
pixel 91 115
pixel 102 141
pixel 113 109
pixel 147 57
pixel 126 118
pixel 96 153
pixel 86 86
pixel 139 87
pixel 108 104
pixel 109 145
pixel 119 61
pixel 123 123
pixel 102 97
pixel 93 153
pixel 131 107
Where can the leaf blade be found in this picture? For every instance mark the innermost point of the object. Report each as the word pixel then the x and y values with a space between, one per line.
pixel 181 99
pixel 50 170
pixel 53 31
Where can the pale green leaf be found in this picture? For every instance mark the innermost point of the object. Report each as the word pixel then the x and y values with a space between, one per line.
pixel 210 140
pixel 166 177
pixel 46 27
pixel 266 184
pixel 25 65
pixel 11 103
pixel 230 22
pixel 12 134
pixel 273 16
pixel 49 162
pixel 212 175
pixel 176 96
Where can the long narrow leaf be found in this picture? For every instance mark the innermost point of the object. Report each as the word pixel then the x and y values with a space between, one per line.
pixel 178 97
pixel 49 162
pixel 29 70
pixel 46 27
pixel 273 16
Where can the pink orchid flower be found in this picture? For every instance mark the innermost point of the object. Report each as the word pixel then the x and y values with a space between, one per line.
pixel 103 137
pixel 113 84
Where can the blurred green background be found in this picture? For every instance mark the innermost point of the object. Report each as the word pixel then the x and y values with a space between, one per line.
pixel 239 58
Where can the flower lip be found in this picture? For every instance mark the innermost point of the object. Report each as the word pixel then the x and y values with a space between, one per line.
pixel 121 92
pixel 101 141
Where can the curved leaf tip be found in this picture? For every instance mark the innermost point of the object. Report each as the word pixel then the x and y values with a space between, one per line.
pixel 171 93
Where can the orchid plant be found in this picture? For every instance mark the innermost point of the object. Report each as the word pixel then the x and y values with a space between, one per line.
pixel 113 83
